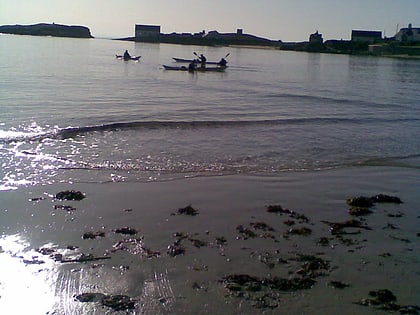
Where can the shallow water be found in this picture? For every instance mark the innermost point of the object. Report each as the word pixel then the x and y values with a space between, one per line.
pixel 71 104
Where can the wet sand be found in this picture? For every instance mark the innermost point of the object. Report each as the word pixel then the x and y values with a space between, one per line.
pixel 231 235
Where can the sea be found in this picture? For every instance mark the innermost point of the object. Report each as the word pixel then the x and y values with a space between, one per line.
pixel 71 104
pixel 303 130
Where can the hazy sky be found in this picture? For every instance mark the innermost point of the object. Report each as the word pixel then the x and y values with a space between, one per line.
pixel 288 20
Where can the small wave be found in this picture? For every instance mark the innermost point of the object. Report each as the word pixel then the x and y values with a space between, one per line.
pixel 75 131
pixel 406 161
pixel 69 132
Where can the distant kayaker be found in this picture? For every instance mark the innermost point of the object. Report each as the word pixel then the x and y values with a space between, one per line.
pixel 222 62
pixel 192 65
pixel 127 55
pixel 203 61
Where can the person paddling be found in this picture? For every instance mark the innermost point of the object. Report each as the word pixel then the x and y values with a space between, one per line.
pixel 222 63
pixel 126 55
pixel 203 61
pixel 192 65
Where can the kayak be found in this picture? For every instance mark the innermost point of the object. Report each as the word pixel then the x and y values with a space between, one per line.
pixel 183 68
pixel 180 60
pixel 135 58
pixel 198 69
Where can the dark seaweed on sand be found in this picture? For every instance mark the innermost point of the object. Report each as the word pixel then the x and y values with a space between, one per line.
pixel 116 302
pixel 280 210
pixel 93 235
pixel 70 195
pixel 385 300
pixel 367 202
pixel 126 230
pixel 188 210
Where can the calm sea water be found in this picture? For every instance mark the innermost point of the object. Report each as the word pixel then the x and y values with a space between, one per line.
pixel 70 104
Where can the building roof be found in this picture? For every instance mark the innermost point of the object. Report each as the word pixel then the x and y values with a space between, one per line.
pixel 360 33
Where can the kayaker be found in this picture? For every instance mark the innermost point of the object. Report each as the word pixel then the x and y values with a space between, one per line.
pixel 203 61
pixel 191 66
pixel 126 55
pixel 222 62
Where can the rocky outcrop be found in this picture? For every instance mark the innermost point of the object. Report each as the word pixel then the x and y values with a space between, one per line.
pixel 44 29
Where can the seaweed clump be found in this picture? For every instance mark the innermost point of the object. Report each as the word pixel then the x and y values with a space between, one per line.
pixel 70 195
pixel 367 202
pixel 385 300
pixel 93 235
pixel 337 228
pixel 126 230
pixel 263 292
pixel 280 210
pixel 116 302
pixel 188 210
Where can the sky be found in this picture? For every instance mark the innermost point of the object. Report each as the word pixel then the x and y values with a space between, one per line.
pixel 286 20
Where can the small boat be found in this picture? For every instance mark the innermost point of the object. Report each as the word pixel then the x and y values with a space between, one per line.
pixel 182 68
pixel 181 60
pixel 135 58
pixel 197 69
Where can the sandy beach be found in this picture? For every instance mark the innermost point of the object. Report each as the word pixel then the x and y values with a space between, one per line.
pixel 225 258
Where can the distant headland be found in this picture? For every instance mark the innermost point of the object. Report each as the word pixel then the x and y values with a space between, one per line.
pixel 44 29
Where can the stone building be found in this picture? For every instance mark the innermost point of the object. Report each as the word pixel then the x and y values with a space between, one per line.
pixel 365 36
pixel 147 32
pixel 408 34
pixel 316 38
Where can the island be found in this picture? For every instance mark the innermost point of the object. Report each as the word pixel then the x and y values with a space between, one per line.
pixel 44 29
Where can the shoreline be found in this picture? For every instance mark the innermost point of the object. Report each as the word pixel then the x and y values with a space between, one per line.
pixel 215 246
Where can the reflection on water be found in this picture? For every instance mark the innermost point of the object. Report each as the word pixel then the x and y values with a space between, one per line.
pixel 26 278
pixel 34 281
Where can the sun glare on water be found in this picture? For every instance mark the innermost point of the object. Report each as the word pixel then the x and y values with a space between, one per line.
pixel 26 280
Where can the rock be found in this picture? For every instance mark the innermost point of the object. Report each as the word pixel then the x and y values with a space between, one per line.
pixel 70 195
